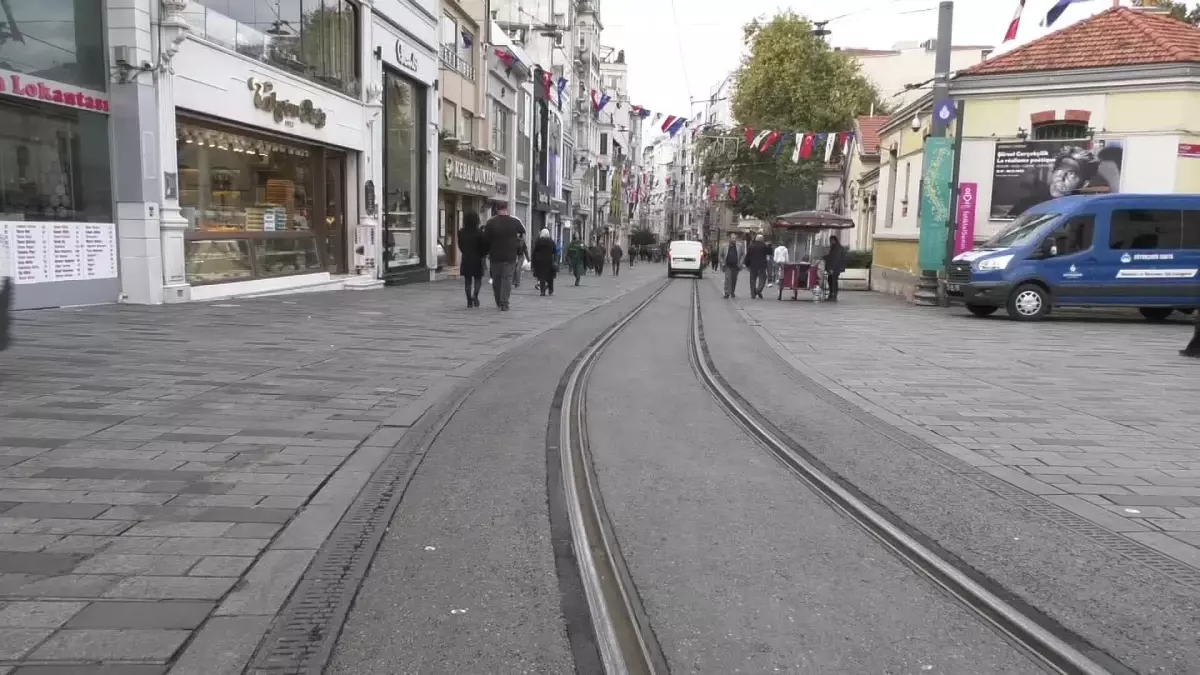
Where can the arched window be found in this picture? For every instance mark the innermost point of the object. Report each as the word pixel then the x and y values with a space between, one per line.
pixel 1060 130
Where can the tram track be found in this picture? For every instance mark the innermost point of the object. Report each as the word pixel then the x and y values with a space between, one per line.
pixel 616 638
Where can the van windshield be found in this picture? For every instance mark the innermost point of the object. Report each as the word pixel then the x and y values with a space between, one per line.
pixel 1020 231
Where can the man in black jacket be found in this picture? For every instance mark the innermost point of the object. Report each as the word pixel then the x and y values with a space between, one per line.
pixel 503 236
pixel 758 256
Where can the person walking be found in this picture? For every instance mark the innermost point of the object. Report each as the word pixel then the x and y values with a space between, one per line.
pixel 502 235
pixel 471 248
pixel 758 258
pixel 614 254
pixel 779 259
pixel 835 264
pixel 732 257
pixel 577 256
pixel 544 263
pixel 714 257
pixel 522 256
pixel 597 258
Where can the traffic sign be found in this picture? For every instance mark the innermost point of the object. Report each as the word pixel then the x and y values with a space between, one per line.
pixel 945 110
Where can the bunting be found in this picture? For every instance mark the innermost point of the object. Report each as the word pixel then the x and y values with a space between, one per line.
pixel 506 57
pixel 562 85
pixel 670 121
pixel 804 145
pixel 676 126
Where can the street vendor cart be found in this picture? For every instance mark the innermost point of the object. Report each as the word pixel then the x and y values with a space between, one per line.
pixel 806 236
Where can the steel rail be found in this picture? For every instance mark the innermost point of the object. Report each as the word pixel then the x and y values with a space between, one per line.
pixel 623 636
pixel 1042 644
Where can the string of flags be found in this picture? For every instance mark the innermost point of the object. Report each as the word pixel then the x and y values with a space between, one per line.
pixel 806 144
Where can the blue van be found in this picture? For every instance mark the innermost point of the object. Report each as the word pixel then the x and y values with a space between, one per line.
pixel 1110 250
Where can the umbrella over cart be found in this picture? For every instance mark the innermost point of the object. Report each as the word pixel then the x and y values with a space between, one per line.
pixel 806 234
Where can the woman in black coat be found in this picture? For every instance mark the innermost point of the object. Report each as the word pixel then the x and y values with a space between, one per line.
pixel 473 248
pixel 544 262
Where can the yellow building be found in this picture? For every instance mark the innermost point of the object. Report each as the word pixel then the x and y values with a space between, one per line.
pixel 1111 103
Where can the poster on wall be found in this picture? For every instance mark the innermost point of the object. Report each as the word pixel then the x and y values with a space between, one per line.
pixel 47 252
pixel 1028 173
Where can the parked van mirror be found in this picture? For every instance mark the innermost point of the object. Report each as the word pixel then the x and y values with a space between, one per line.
pixel 1053 250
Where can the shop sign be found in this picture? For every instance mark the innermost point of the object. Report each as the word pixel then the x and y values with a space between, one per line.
pixel 463 176
pixel 369 192
pixel 501 186
pixel 265 99
pixel 1189 150
pixel 37 89
pixel 523 192
pixel 543 198
pixel 406 57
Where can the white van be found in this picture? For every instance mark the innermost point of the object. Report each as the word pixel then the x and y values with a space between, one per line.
pixel 6 290
pixel 685 257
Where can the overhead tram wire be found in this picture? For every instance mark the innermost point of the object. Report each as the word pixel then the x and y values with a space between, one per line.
pixel 682 59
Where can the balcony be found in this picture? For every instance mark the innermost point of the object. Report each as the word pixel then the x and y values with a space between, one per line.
pixel 453 61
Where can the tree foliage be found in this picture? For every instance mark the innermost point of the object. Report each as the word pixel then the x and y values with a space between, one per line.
pixel 1179 10
pixel 791 80
pixel 642 237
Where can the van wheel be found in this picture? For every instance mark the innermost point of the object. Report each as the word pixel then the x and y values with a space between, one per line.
pixel 982 310
pixel 1156 313
pixel 700 273
pixel 1028 302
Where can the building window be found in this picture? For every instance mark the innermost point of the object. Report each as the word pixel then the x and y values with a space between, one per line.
pixel 449 30
pixel 603 143
pixel 449 118
pixel 456 53
pixel 315 39
pixel 1060 131
pixel 468 127
pixel 55 40
pixel 500 122
pixel 403 163
pixel 54 164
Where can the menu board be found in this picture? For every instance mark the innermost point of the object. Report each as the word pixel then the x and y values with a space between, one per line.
pixel 46 252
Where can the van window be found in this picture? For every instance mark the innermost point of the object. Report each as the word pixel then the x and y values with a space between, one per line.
pixel 1075 235
pixel 1191 229
pixel 1146 229
pixel 1020 230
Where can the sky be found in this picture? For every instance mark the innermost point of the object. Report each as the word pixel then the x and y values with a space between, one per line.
pixel 678 50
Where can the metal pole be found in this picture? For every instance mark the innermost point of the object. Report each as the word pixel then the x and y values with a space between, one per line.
pixel 952 225
pixel 927 285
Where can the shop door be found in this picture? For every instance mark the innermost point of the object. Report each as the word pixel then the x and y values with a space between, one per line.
pixel 333 228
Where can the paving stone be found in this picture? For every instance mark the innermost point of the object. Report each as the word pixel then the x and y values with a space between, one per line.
pixel 107 645
pixel 223 647
pixel 39 563
pixel 59 526
pixel 38 614
pixel 68 586
pixel 222 566
pixel 253 531
pixel 26 542
pixel 178 529
pixel 268 584
pixel 16 642
pixel 122 669
pixel 136 563
pixel 55 511
pixel 171 588
pixel 168 614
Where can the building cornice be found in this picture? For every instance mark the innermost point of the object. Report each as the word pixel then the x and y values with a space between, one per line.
pixel 1173 76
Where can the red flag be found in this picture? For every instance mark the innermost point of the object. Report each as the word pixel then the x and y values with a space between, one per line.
pixel 668 122
pixel 506 57
pixel 733 192
pixel 749 136
pixel 712 192
pixel 547 83
pixel 806 146
pixel 1015 23
pixel 770 140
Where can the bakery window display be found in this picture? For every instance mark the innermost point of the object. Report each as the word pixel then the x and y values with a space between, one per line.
pixel 214 261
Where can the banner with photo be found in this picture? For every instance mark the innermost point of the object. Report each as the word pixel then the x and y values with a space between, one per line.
pixel 1028 173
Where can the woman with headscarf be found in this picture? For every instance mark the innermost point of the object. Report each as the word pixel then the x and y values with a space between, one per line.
pixel 473 248
pixel 543 261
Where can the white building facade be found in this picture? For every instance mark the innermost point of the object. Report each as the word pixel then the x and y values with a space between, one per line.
pixel 229 148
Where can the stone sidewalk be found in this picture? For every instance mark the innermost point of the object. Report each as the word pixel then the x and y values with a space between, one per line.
pixel 168 473
pixel 1095 413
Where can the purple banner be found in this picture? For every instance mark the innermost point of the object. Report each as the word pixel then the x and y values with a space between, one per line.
pixel 964 232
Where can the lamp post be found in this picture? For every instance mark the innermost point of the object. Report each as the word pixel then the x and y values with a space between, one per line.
pixel 927 287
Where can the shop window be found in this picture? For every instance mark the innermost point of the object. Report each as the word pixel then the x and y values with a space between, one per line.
pixel 603 143
pixel 54 164
pixel 315 39
pixel 55 40
pixel 1060 131
pixel 1146 229
pixel 403 162
pixel 257 206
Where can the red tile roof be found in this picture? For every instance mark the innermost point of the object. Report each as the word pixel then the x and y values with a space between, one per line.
pixel 868 132
pixel 1111 39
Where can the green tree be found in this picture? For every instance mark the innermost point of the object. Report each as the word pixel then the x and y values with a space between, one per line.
pixel 642 237
pixel 790 81
pixel 1179 10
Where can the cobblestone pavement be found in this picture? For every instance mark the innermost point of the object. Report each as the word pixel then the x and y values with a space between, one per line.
pixel 1097 414
pixel 168 473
